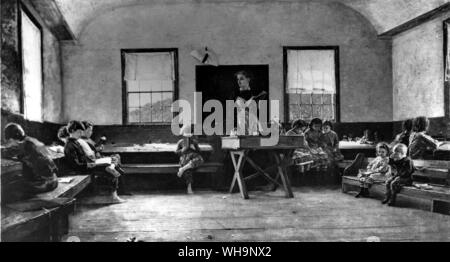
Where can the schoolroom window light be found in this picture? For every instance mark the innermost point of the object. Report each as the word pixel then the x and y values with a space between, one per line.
pixel 150 86
pixel 311 84
pixel 31 46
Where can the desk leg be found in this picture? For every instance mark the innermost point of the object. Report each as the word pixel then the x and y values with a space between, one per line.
pixel 281 163
pixel 238 166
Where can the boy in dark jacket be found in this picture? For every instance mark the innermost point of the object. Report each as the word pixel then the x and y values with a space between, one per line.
pixel 402 170
pixel 39 170
pixel 77 160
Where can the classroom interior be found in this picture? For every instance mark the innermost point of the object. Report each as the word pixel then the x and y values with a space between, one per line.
pixel 365 65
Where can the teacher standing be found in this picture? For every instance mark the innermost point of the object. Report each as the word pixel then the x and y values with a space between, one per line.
pixel 244 98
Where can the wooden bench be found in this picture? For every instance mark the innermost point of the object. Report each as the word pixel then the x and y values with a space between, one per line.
pixel 431 171
pixel 43 224
pixel 167 168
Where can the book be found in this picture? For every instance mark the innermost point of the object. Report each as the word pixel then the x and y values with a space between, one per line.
pixel 106 161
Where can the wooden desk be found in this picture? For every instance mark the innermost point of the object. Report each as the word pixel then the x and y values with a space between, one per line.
pixel 282 154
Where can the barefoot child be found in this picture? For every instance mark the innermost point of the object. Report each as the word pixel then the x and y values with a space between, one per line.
pixel 190 158
pixel 402 170
pixel 377 170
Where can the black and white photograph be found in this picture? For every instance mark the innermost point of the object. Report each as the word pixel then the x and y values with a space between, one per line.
pixel 225 122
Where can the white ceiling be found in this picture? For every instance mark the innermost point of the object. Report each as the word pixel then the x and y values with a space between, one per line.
pixel 383 14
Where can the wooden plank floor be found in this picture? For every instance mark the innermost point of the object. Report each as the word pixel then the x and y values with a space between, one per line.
pixel 313 215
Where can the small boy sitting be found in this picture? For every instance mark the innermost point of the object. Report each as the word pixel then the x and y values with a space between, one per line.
pixel 402 170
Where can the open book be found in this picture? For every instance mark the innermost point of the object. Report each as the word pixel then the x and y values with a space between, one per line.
pixel 106 161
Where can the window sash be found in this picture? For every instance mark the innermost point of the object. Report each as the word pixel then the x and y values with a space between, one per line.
pixel 31 46
pixel 150 78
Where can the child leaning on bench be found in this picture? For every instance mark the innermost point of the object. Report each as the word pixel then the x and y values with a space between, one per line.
pixel 402 169
pixel 39 170
pixel 377 171
pixel 190 158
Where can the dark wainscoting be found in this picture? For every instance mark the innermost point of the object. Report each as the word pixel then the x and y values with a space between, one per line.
pixel 439 128
pixel 384 130
pixel 45 132
pixel 163 134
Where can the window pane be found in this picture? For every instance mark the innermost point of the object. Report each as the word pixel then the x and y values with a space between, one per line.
pixel 32 69
pixel 294 112
pixel 167 115
pixel 306 112
pixel 134 115
pixel 305 99
pixel 316 111
pixel 157 100
pixel 294 99
pixel 146 114
pixel 156 114
pixel 133 100
pixel 317 99
pixel 133 86
pixel 167 99
pixel 327 112
pixel 146 99
pixel 327 99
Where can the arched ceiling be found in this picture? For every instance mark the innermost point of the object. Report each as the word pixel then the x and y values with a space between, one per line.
pixel 383 14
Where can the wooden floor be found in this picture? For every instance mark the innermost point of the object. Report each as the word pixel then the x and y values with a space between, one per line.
pixel 313 215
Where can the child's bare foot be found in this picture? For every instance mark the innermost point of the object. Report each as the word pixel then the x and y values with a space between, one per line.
pixel 180 172
pixel 189 190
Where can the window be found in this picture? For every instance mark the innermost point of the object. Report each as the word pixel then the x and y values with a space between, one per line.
pixel 150 80
pixel 31 47
pixel 311 83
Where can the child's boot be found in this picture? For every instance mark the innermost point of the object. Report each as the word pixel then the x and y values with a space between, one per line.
pixel 386 198
pixel 361 193
pixel 366 192
pixel 392 200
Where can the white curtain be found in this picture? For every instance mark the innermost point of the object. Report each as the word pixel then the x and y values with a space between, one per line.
pixel 149 66
pixel 32 69
pixel 311 71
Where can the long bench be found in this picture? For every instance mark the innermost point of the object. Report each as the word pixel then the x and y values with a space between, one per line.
pixel 40 224
pixel 431 171
pixel 170 168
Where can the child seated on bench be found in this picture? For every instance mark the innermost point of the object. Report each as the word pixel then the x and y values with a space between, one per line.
pixel 421 145
pixel 402 169
pixel 403 137
pixel 78 161
pixel 301 155
pixel 330 142
pixel 190 158
pixel 94 152
pixel 377 171
pixel 312 136
pixel 39 170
